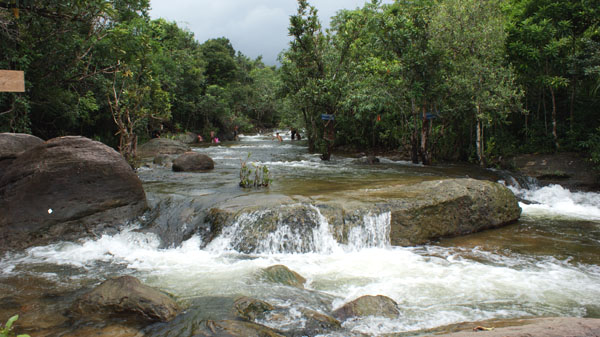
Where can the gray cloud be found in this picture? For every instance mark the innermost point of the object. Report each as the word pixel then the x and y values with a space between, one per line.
pixel 254 27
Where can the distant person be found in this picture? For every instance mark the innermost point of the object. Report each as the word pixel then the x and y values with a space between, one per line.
pixel 156 134
pixel 298 137
pixel 235 133
pixel 213 139
pixel 293 133
pixel 278 137
pixel 200 139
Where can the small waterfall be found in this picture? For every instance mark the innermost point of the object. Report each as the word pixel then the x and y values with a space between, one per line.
pixel 373 232
pixel 298 229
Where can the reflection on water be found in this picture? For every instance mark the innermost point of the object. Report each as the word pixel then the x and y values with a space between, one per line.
pixel 547 264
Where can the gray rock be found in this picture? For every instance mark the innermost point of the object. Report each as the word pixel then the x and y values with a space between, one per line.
pixel 12 145
pixel 250 308
pixel 193 162
pixel 66 188
pixel 157 146
pixel 126 296
pixel 368 306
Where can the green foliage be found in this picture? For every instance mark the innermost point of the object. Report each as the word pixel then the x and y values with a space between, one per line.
pixel 254 175
pixel 592 146
pixel 7 331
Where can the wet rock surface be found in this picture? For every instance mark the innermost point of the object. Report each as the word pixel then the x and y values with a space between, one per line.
pixel 66 188
pixel 570 170
pixel 126 296
pixel 193 162
pixel 217 316
pixel 158 146
pixel 368 306
pixel 418 213
pixel 176 219
pixel 283 275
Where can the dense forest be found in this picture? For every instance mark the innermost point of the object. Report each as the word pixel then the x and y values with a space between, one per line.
pixel 438 80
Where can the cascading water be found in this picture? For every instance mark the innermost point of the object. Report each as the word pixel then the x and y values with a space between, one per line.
pixel 499 274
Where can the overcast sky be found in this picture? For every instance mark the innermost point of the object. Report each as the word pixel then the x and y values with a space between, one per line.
pixel 254 27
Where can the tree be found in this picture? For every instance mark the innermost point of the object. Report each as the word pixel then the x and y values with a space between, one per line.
pixel 471 34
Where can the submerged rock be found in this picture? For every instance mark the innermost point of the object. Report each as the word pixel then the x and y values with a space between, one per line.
pixel 126 296
pixel 368 306
pixel 193 162
pixel 217 316
pixel 318 323
pixel 250 308
pixel 66 188
pixel 283 275
pixel 157 146
pixel 12 145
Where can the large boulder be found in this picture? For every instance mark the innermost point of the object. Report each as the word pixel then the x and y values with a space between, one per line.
pixel 66 188
pixel 157 146
pixel 368 306
pixel 12 145
pixel 451 207
pixel 126 296
pixel 193 162
pixel 401 215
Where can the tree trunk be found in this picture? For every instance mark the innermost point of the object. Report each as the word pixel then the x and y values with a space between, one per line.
pixel 414 138
pixel 424 136
pixel 554 122
pixel 480 139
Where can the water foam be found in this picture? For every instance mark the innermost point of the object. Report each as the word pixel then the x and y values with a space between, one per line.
pixel 557 201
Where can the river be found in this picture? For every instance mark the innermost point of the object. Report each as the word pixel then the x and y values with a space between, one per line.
pixel 547 264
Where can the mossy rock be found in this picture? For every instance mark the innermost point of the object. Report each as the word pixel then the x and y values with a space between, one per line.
pixel 283 275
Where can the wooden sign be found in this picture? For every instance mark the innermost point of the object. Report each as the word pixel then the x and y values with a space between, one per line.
pixel 12 81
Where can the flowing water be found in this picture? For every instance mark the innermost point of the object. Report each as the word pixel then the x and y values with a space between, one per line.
pixel 547 264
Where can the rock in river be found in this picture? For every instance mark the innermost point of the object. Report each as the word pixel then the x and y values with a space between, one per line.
pixel 193 162
pixel 66 188
pixel 126 296
pixel 368 306
pixel 283 275
pixel 397 214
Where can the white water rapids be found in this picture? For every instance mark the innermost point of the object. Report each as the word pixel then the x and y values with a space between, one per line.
pixel 433 285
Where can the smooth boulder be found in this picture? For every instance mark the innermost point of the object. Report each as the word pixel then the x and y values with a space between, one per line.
pixel 158 146
pixel 368 306
pixel 12 145
pixel 126 296
pixel 66 188
pixel 193 162
pixel 452 207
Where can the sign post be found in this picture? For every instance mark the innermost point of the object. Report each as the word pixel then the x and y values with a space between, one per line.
pixel 12 81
